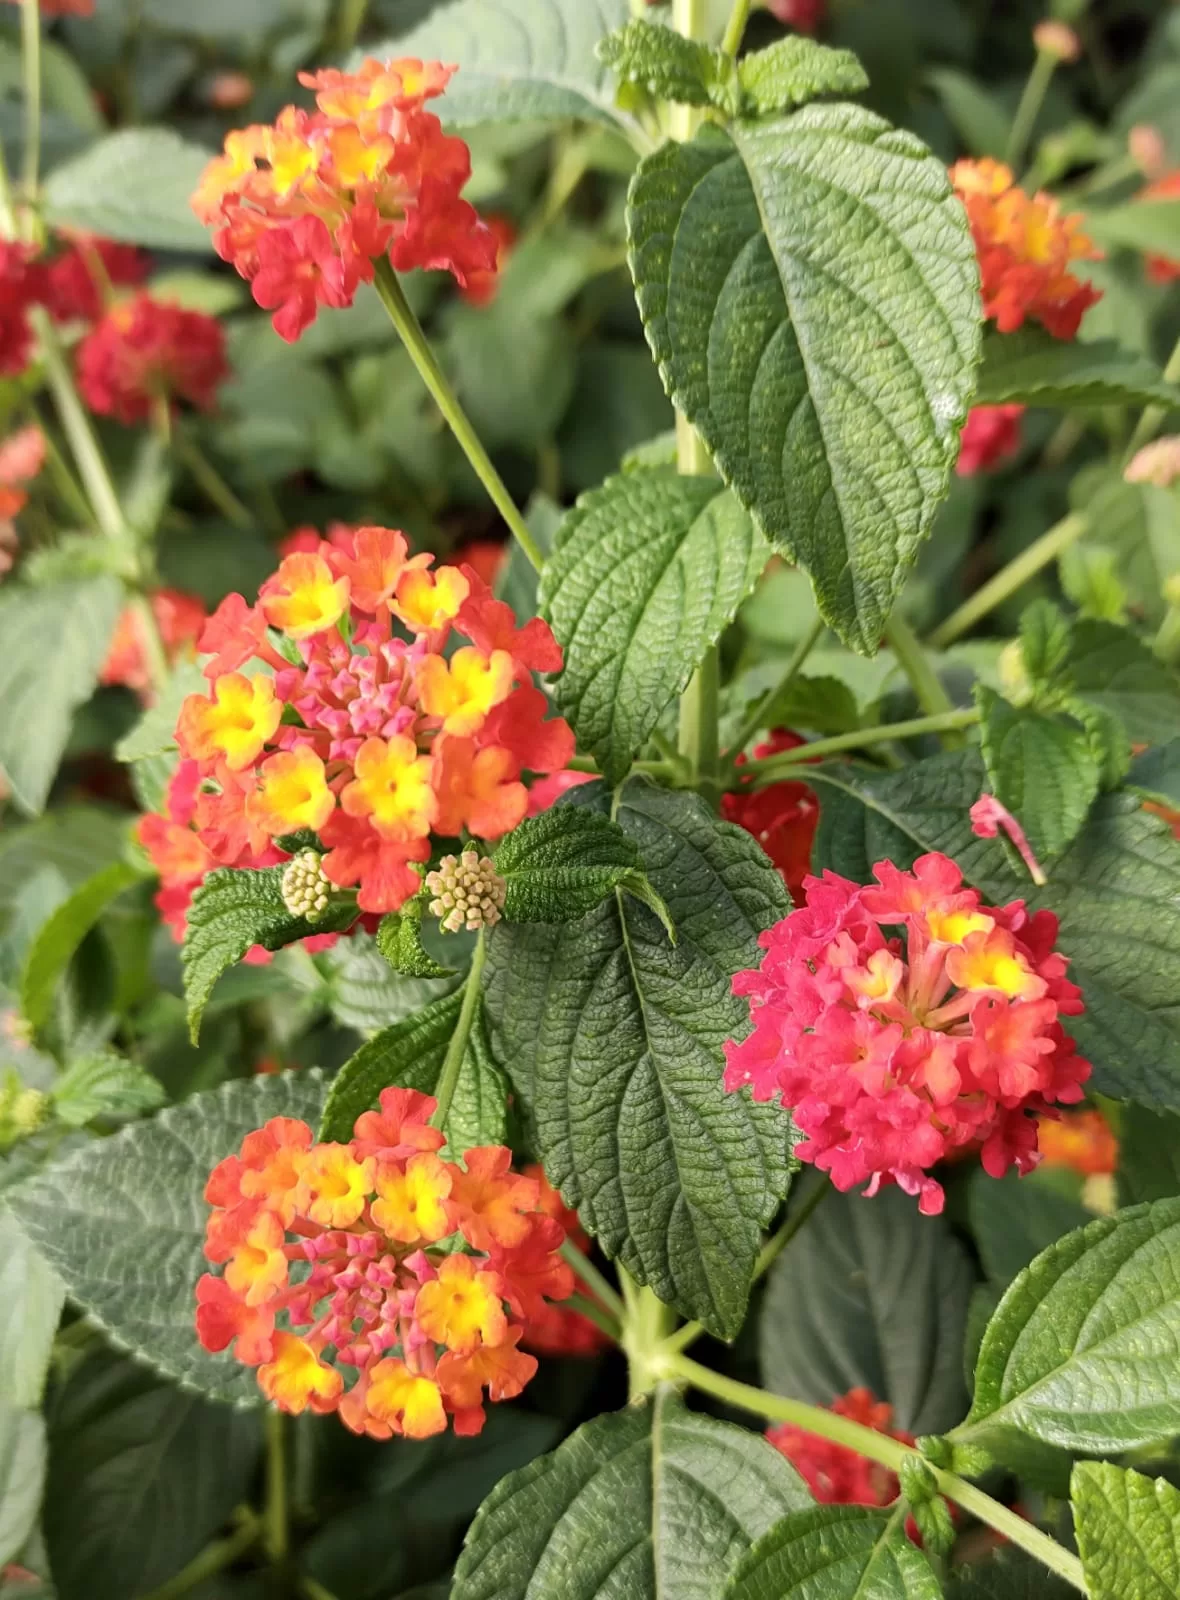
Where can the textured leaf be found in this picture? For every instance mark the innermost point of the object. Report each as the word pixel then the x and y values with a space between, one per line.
pixel 1014 1219
pixel 410 1054
pixel 825 704
pixel 794 70
pixel 40 688
pixel 1116 891
pixel 835 1553
pixel 399 939
pixel 22 1474
pixel 31 1296
pixel 155 732
pixel 872 1294
pixel 1115 670
pixel 561 864
pixel 105 1086
pixel 519 60
pixel 1157 773
pixel 1081 1351
pixel 1128 1529
pixel 1040 767
pixel 364 992
pixel 828 368
pixel 613 1040
pixel 232 911
pixel 58 939
pixel 1009 1575
pixel 636 614
pixel 670 66
pixel 140 1478
pixel 1149 1155
pixel 1032 368
pixel 652 1500
pixel 135 186
pixel 122 1221
pixel 1045 641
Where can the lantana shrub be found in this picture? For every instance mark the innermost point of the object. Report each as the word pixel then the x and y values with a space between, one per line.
pixel 590 800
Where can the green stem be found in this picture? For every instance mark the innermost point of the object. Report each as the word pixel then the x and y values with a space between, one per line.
pixel 410 332
pixel 757 718
pixel 876 1447
pixel 275 1529
pixel 770 768
pixel 30 28
pixel 915 663
pixel 699 722
pixel 646 1325
pixel 155 656
pixel 585 1269
pixel 1152 419
pixel 1027 111
pixel 212 485
pixel 735 28
pixel 593 1312
pixel 88 457
pixel 213 1559
pixel 452 1065
pixel 66 484
pixel 1010 578
pixel 350 19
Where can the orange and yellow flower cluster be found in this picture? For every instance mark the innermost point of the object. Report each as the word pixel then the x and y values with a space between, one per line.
pixel 1026 248
pixel 419 1275
pixel 303 208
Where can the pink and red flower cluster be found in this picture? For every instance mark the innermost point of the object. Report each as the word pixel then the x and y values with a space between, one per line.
pixel 782 817
pixel 837 1476
pixel 990 437
pixel 144 352
pixel 419 1275
pixel 905 1020
pixel 72 287
pixel 304 208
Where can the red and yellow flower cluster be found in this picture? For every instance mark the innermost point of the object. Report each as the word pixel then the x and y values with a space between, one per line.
pixel 370 738
pixel 304 208
pixel 419 1274
pixel 893 1052
pixel 837 1476
pixel 782 817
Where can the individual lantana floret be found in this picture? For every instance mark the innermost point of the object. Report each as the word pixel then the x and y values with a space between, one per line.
pixel 306 891
pixel 782 816
pixel 378 1258
pixel 905 1020
pixel 837 1476
pixel 332 709
pixel 146 352
pixel 468 892
pixel 991 436
pixel 1026 247
pixel 305 207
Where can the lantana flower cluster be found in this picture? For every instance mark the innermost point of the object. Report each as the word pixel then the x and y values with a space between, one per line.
pixel 303 208
pixel 419 1276
pixel 835 1475
pixel 906 1020
pixel 321 717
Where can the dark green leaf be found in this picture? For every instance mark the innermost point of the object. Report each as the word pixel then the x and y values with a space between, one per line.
pixel 561 864
pixel 1128 1529
pixel 828 368
pixel 40 689
pixel 1014 1219
pixel 824 704
pixel 635 615
pixel 670 66
pixel 219 19
pixel 873 1294
pixel 794 70
pixel 22 1474
pixel 1081 1352
pixel 122 1221
pixel 105 1086
pixel 1116 671
pixel 613 1039
pixel 652 1500
pixel 1157 773
pixel 135 186
pixel 1149 1155
pixel 31 1296
pixel 1032 368
pixel 835 1553
pixel 1010 1575
pixel 1040 767
pixel 399 939
pixel 58 939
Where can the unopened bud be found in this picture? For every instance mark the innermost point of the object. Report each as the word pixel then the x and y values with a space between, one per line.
pixel 468 892
pixel 1147 150
pixel 305 889
pixel 28 1111
pixel 1157 463
pixel 229 91
pixel 1172 589
pixel 1057 39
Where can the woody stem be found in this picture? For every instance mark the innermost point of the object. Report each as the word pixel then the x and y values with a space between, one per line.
pixel 452 1065
pixel 410 332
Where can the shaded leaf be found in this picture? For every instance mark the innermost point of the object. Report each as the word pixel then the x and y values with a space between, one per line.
pixel 1032 368
pixel 1116 671
pixel 135 186
pixel 31 1296
pixel 59 938
pixel 105 1086
pixel 1149 1155
pixel 22 1474
pixel 1014 1219
pixel 1157 773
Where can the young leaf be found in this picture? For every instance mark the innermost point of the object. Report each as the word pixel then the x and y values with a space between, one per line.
pixel 59 938
pixel 558 866
pixel 1014 1219
pixel 794 70
pixel 1128 1529
pixel 1081 1351
pixel 232 911
pixel 122 1221
pixel 828 369
pixel 652 1500
pixel 873 1295
pixel 22 1475
pixel 399 939
pixel 31 1296
pixel 1041 767
pixel 619 1069
pixel 831 1553
pixel 519 60
pixel 1032 368
pixel 635 615
pixel 135 186
pixel 1045 642
pixel 41 689
pixel 106 1085
pixel 670 66
pixel 1149 1155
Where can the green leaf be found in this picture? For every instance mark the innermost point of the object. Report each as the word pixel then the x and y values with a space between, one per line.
pixel 1008 1575
pixel 105 1086
pixel 671 67
pixel 1045 643
pixel 613 1039
pixel 58 939
pixel 1081 1351
pixel 232 911
pixel 835 1553
pixel 1149 1155
pixel 410 1054
pixel 134 186
pixel 399 939
pixel 1128 1529
pixel 1157 773
pixel 1151 225
pixel 1040 767
pixel 1116 891
pixel 1116 671
pixel 155 732
pixel 140 1478
pixel 31 1296
pixel 1016 1218
pixel 981 120
pixel 519 60
pixel 635 615
pixel 794 70
pixel 1031 368
pixel 825 704
pixel 40 688
pixel 122 1221
pixel 558 866
pixel 873 1294
pixel 828 368
pixel 654 1500
pixel 22 1474
pixel 219 19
